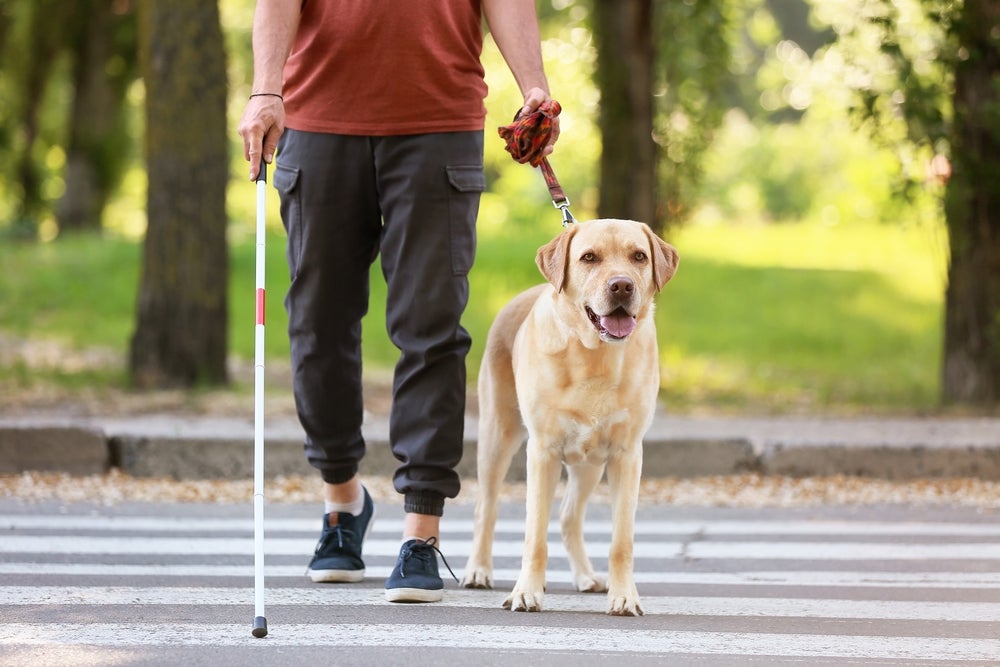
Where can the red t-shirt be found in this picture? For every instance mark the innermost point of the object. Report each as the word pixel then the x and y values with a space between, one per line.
pixel 386 67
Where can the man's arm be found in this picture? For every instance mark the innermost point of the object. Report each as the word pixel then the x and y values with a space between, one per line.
pixel 514 26
pixel 263 121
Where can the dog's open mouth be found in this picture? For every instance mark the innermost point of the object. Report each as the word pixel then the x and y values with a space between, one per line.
pixel 616 325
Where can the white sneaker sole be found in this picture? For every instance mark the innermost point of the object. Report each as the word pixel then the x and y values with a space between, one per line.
pixel 336 576
pixel 413 595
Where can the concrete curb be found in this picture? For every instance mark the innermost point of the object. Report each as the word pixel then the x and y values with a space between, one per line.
pixel 184 447
pixel 77 450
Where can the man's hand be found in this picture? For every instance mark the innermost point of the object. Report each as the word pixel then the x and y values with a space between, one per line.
pixel 532 100
pixel 261 126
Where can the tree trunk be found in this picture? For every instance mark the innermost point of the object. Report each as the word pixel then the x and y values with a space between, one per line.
pixel 971 370
pixel 181 330
pixel 103 49
pixel 623 33
pixel 31 74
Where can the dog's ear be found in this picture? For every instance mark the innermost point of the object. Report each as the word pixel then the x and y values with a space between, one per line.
pixel 553 258
pixel 665 259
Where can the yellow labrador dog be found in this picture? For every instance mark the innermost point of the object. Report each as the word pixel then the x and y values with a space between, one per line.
pixel 573 364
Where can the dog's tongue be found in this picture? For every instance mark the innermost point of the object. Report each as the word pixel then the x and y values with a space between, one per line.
pixel 619 324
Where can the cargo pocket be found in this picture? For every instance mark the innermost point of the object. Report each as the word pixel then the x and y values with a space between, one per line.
pixel 467 185
pixel 286 182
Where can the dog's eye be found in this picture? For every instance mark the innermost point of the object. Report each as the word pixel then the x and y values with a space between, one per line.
pixel 588 257
pixel 639 256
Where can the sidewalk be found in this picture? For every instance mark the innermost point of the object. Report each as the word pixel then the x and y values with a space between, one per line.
pixel 185 447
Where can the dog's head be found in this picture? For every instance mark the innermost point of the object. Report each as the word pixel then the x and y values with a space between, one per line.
pixel 609 271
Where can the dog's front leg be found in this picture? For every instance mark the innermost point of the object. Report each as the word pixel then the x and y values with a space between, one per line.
pixel 623 479
pixel 582 479
pixel 542 476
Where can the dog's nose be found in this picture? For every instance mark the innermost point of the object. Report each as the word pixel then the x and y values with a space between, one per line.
pixel 621 286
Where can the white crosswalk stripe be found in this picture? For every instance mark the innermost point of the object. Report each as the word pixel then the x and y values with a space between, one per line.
pixel 689 606
pixel 537 639
pixel 848 590
pixel 191 525
pixel 949 580
pixel 785 550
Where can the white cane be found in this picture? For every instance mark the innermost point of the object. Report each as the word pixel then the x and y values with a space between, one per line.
pixel 259 621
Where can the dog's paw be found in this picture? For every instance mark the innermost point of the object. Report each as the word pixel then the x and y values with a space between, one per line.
pixel 590 582
pixel 523 601
pixel 624 605
pixel 477 577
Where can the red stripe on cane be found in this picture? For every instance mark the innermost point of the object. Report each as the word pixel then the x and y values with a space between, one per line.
pixel 260 305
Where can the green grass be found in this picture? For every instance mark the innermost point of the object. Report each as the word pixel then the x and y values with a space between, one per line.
pixel 80 291
pixel 801 316
pixel 776 317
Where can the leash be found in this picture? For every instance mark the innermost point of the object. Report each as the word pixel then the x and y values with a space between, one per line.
pixel 526 138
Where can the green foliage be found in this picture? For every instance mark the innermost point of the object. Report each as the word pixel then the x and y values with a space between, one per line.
pixel 30 96
pixel 817 169
pixel 44 45
pixel 895 61
pixel 696 42
pixel 803 152
pixel 713 56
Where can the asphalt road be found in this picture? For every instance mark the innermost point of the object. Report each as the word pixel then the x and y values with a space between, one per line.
pixel 171 584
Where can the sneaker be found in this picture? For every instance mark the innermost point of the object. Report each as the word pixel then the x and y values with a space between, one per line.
pixel 338 552
pixel 415 577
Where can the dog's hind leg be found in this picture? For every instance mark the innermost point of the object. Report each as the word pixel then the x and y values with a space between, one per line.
pixel 582 479
pixel 500 436
pixel 492 466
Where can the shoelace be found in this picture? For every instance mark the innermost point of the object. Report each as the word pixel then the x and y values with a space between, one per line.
pixel 422 551
pixel 328 535
pixel 326 538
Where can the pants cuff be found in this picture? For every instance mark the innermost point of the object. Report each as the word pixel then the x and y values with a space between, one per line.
pixel 338 475
pixel 423 502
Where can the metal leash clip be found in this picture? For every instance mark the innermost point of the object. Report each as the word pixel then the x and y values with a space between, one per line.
pixel 526 138
pixel 567 217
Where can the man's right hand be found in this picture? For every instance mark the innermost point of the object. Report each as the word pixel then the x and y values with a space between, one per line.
pixel 261 126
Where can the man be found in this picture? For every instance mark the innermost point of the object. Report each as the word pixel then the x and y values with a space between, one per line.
pixel 383 105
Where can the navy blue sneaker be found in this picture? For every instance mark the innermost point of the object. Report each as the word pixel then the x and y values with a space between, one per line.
pixel 338 552
pixel 415 577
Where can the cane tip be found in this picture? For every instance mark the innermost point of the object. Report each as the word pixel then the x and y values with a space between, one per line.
pixel 259 627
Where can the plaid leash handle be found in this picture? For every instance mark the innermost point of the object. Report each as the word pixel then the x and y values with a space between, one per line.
pixel 526 138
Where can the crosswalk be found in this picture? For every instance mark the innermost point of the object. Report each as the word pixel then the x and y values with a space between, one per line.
pixel 717 586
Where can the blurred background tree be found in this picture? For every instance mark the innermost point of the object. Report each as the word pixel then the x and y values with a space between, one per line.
pixel 626 52
pixel 64 139
pixel 101 41
pixel 926 82
pixel 181 330
pixel 971 372
pixel 664 71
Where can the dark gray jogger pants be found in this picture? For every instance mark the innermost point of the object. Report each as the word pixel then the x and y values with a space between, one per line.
pixel 414 199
